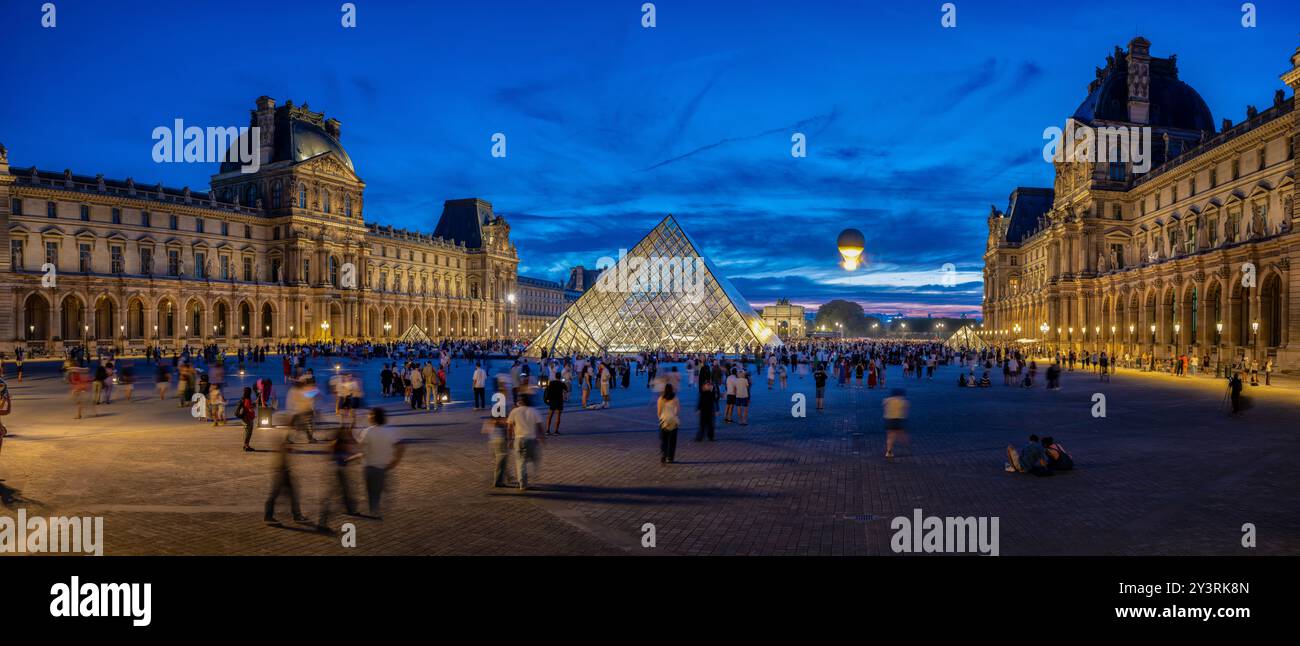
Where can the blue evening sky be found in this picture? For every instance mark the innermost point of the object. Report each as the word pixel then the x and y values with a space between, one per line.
pixel 912 129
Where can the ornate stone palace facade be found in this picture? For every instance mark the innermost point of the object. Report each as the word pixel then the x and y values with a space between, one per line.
pixel 1193 256
pixel 263 257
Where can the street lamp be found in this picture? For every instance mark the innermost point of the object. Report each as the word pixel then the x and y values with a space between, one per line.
pixel 1178 339
pixel 1153 338
pixel 1254 338
pixel 1218 348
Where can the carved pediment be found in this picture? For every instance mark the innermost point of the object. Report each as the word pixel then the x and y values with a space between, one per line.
pixel 328 164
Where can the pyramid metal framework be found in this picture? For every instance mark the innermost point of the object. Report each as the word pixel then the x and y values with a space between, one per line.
pixel 965 337
pixel 414 334
pixel 662 295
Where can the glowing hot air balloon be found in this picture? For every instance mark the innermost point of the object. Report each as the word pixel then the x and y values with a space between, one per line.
pixel 851 243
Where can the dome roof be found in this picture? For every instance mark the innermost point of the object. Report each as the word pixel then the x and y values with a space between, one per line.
pixel 310 140
pixel 298 135
pixel 1173 103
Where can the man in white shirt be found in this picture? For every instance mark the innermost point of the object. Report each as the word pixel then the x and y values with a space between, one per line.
pixel 742 398
pixel 381 451
pixel 480 386
pixel 525 427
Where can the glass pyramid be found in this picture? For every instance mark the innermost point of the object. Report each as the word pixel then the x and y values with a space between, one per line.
pixel 414 334
pixel 661 295
pixel 966 338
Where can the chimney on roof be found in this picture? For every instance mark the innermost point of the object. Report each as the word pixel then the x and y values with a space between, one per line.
pixel 264 120
pixel 1139 81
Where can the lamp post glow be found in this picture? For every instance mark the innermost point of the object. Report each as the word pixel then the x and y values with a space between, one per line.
pixel 1254 337
pixel 1218 347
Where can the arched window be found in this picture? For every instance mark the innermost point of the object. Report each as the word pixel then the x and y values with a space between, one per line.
pixel 276 190
pixel 250 195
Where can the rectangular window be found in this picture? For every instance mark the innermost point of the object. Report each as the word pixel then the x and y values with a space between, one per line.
pixel 118 260
pixel 198 224
pixel 200 260
pixel 51 210
pixel 248 232
pixel 173 222
pixel 52 253
pixel 275 270
pixel 225 228
pixel 117 216
pixel 144 219
pixel 85 213
pixel 1117 171
pixel 248 269
pixel 173 262
pixel 225 267
pixel 16 206
pixel 306 270
pixel 15 253
pixel 1119 211
pixel 83 258
pixel 275 233
pixel 146 261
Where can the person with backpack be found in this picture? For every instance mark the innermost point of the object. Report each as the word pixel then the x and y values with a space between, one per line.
pixel 1058 459
pixel 246 412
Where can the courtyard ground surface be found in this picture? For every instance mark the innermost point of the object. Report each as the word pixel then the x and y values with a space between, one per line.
pixel 1166 471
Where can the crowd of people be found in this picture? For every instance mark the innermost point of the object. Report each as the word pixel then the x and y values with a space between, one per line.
pixel 513 388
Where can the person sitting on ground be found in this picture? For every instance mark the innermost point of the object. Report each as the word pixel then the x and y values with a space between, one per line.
pixel 1030 459
pixel 984 381
pixel 1057 457
pixel 961 380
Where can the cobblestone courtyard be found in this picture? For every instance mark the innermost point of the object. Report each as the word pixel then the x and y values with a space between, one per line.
pixel 1165 472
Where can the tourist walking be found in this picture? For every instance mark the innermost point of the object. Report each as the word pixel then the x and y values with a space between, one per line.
pixel 342 452
pixel 524 427
pixel 479 384
pixel 381 452
pixel 895 414
pixel 498 434
pixel 554 394
pixel 706 406
pixel 246 412
pixel 282 480
pixel 668 409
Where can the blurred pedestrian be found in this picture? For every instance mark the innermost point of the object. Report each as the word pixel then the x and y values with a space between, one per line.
pixel 381 452
pixel 895 413
pixel 525 427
